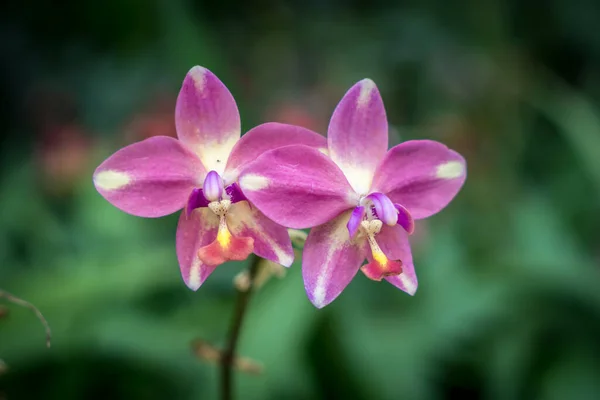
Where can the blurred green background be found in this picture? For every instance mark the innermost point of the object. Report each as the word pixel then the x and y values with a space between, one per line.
pixel 508 305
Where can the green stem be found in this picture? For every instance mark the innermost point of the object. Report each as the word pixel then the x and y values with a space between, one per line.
pixel 20 302
pixel 228 355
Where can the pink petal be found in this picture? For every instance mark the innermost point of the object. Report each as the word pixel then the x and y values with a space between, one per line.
pixel 297 187
pixel 405 220
pixel 422 175
pixel 355 219
pixel 358 134
pixel 207 118
pixel 196 200
pixel 393 241
pixel 194 232
pixel 267 137
pixel 150 178
pixel 271 240
pixel 330 260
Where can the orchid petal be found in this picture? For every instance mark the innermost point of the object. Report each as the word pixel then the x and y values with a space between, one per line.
pixel 394 243
pixel 151 178
pixel 384 207
pixel 355 219
pixel 405 220
pixel 358 134
pixel 271 240
pixel 297 186
pixel 267 137
pixel 207 118
pixel 194 232
pixel 330 260
pixel 235 193
pixel 422 175
pixel 196 200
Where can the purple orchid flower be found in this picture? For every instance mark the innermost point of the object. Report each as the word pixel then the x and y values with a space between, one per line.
pixel 198 172
pixel 361 200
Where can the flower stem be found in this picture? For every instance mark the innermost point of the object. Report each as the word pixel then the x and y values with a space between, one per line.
pixel 20 302
pixel 228 355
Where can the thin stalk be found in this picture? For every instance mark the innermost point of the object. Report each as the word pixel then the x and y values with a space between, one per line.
pixel 228 356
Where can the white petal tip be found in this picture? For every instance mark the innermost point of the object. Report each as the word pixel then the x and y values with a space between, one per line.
pixel 111 180
pixel 197 72
pixel 450 170
pixel 286 260
pixel 198 75
pixel 318 302
pixel 366 87
pixel 319 294
pixel 193 281
pixel 410 286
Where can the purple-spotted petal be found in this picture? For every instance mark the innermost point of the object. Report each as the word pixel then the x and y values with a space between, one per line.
pixel 194 232
pixel 271 240
pixel 196 200
pixel 405 220
pixel 213 186
pixel 207 118
pixel 358 134
pixel 267 137
pixel 355 219
pixel 330 260
pixel 393 241
pixel 384 207
pixel 151 178
pixel 422 175
pixel 297 187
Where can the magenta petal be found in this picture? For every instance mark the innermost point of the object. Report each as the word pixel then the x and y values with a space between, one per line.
pixel 213 186
pixel 207 118
pixel 267 137
pixel 150 178
pixel 422 175
pixel 405 220
pixel 384 207
pixel 194 232
pixel 271 240
pixel 393 241
pixel 355 219
pixel 358 134
pixel 297 187
pixel 196 200
pixel 235 194
pixel 330 260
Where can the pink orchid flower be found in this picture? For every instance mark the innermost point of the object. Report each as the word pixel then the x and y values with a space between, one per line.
pixel 361 199
pixel 198 172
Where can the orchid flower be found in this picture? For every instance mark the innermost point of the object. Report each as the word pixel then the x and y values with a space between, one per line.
pixel 360 199
pixel 198 173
